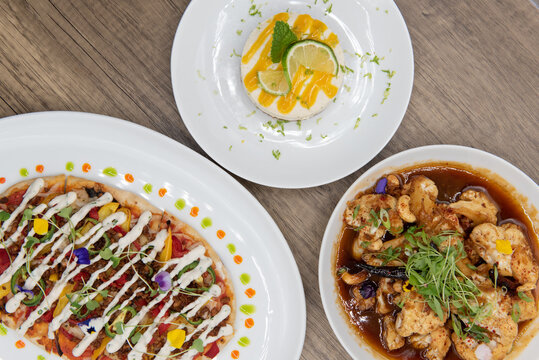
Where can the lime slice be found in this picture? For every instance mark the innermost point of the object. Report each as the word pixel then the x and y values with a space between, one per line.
pixel 312 54
pixel 273 82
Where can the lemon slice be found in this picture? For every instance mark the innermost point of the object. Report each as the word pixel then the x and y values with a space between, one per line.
pixel 273 82
pixel 312 54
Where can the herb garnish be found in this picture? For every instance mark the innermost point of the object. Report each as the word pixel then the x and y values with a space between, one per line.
pixel 283 36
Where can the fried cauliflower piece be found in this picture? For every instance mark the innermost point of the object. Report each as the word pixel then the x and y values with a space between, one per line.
pixel 417 317
pixel 519 264
pixel 476 206
pixel 528 307
pixel 358 215
pixel 423 193
pixel 392 339
pixel 502 332
pixel 439 344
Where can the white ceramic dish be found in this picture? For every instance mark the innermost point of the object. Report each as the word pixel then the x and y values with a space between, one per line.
pixel 205 72
pixel 473 157
pixel 84 145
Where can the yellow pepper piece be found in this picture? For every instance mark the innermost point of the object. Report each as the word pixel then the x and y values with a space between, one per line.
pixel 41 226
pixel 5 290
pixel 504 246
pixel 53 277
pixel 107 210
pixel 176 338
pixel 86 228
pixel 63 300
pixel 101 348
pixel 126 226
pixel 166 253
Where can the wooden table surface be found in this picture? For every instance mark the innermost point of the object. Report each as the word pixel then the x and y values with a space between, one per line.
pixel 476 84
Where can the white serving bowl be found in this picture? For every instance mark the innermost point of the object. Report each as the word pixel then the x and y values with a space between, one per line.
pixel 491 165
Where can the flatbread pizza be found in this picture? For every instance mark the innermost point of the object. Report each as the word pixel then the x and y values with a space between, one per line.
pixel 91 272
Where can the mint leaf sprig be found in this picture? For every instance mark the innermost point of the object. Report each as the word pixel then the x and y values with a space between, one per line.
pixel 283 36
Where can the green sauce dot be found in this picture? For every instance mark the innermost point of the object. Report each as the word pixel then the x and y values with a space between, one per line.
pixel 23 172
pixel 110 171
pixel 180 204
pixel 231 248
pixel 70 166
pixel 248 309
pixel 41 357
pixel 148 188
pixel 244 341
pixel 206 222
pixel 245 279
pixel 3 330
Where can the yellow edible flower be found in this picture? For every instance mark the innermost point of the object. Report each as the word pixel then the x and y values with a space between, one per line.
pixel 504 246
pixel 407 287
pixel 176 338
pixel 41 226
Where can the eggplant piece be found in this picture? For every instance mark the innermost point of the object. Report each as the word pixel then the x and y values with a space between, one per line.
pixel 384 271
pixel 503 281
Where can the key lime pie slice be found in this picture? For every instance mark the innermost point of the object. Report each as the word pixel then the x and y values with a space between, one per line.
pixel 290 66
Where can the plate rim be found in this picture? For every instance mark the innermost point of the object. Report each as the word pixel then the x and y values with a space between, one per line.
pixel 227 179
pixel 229 166
pixel 328 243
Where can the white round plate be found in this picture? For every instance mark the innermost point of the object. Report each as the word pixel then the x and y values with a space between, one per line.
pixel 472 157
pixel 215 107
pixel 174 178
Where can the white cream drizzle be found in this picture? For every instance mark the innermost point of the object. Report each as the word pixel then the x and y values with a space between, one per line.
pixel 30 193
pixel 207 325
pixel 70 272
pixel 93 235
pixel 142 345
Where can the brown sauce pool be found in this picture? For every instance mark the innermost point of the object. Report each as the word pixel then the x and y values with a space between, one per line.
pixel 451 182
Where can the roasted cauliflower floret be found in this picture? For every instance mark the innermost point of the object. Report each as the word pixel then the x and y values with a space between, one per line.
pixel 476 206
pixel 439 345
pixel 417 317
pixel 392 339
pixel 526 304
pixel 385 288
pixel 359 215
pixel 423 193
pixel 502 332
pixel 360 302
pixel 516 260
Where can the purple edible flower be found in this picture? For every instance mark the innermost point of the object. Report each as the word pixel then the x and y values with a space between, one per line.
pixel 85 326
pixel 368 289
pixel 163 280
pixel 83 258
pixel 381 186
pixel 20 288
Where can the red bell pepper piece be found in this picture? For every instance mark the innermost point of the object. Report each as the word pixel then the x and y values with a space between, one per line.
pixel 163 328
pixel 120 282
pixel 15 198
pixel 213 351
pixel 4 260
pixel 93 213
pixel 177 247
pixel 82 275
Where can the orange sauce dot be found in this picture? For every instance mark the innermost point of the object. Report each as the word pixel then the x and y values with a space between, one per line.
pixel 20 344
pixel 220 234
pixel 40 168
pixel 250 293
pixel 129 178
pixel 238 259
pixel 162 192
pixel 2 180
pixel 235 354
pixel 86 167
pixel 249 323
pixel 194 211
